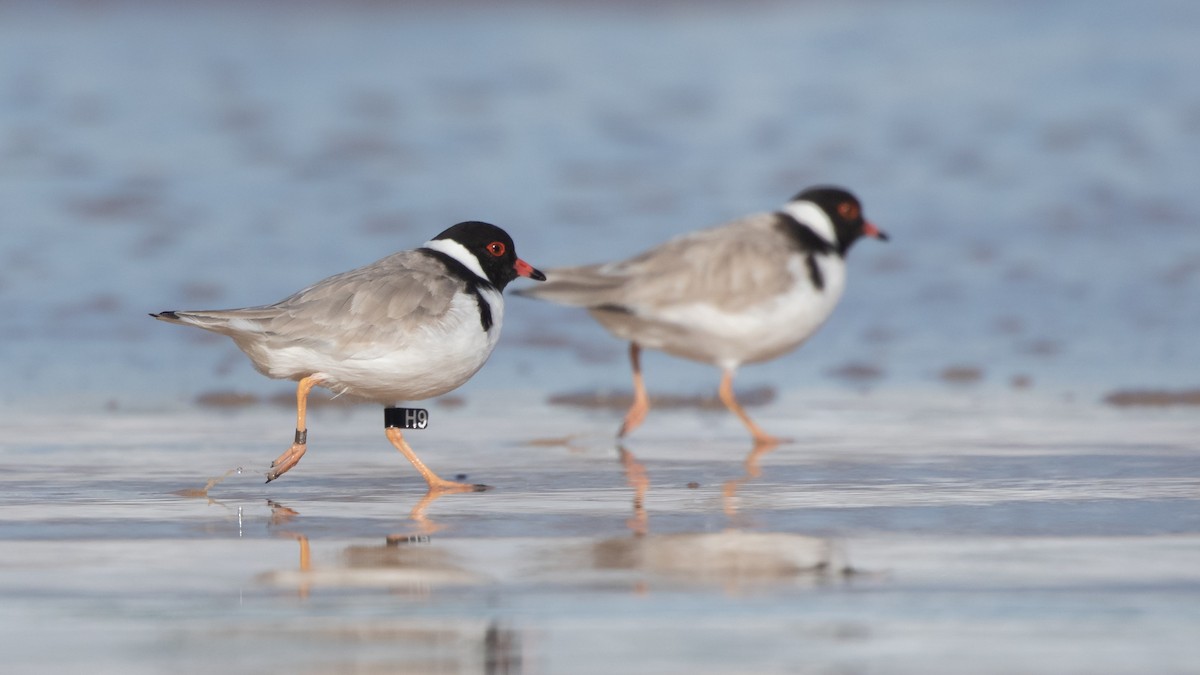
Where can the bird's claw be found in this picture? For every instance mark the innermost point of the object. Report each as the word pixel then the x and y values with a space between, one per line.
pixel 286 461
pixel 448 486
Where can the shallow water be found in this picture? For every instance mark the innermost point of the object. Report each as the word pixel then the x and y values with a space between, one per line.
pixel 957 494
pixel 1005 535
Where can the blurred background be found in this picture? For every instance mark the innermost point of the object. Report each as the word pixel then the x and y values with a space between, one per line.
pixel 1035 163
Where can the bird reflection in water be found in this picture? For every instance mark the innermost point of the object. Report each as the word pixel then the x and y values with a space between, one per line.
pixel 635 475
pixel 423 524
pixel 734 557
pixel 409 568
pixel 753 470
pixel 281 515
pixel 637 479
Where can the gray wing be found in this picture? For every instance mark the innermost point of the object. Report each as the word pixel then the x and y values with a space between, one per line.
pixel 731 266
pixel 384 301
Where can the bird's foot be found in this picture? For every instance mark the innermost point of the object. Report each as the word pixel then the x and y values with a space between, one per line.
pixel 286 461
pixel 767 441
pixel 446 486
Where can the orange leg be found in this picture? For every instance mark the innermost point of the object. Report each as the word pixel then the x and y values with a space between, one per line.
pixel 726 392
pixel 641 402
pixel 436 484
pixel 292 455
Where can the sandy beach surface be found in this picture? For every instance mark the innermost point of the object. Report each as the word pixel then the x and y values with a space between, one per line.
pixel 994 457
pixel 1007 535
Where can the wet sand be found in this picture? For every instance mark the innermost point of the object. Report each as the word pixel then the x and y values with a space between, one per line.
pixel 1012 535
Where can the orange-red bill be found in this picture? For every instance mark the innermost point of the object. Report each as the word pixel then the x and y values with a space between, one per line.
pixel 870 230
pixel 526 270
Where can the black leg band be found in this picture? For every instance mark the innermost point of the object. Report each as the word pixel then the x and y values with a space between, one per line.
pixel 405 418
pixel 301 437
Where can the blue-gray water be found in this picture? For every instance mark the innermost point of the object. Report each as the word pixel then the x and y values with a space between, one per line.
pixel 1035 164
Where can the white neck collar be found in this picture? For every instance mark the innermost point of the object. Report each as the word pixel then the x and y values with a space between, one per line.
pixel 458 252
pixel 814 217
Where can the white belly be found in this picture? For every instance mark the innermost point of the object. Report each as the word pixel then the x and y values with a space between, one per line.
pixel 760 332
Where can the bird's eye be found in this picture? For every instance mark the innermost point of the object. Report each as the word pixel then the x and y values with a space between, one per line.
pixel 496 248
pixel 848 210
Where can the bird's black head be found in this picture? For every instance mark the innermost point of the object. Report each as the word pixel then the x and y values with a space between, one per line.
pixel 493 249
pixel 845 212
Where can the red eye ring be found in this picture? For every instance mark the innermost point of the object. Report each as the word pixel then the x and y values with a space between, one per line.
pixel 848 210
pixel 496 248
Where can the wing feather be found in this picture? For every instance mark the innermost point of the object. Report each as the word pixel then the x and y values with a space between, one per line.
pixel 381 303
pixel 732 266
